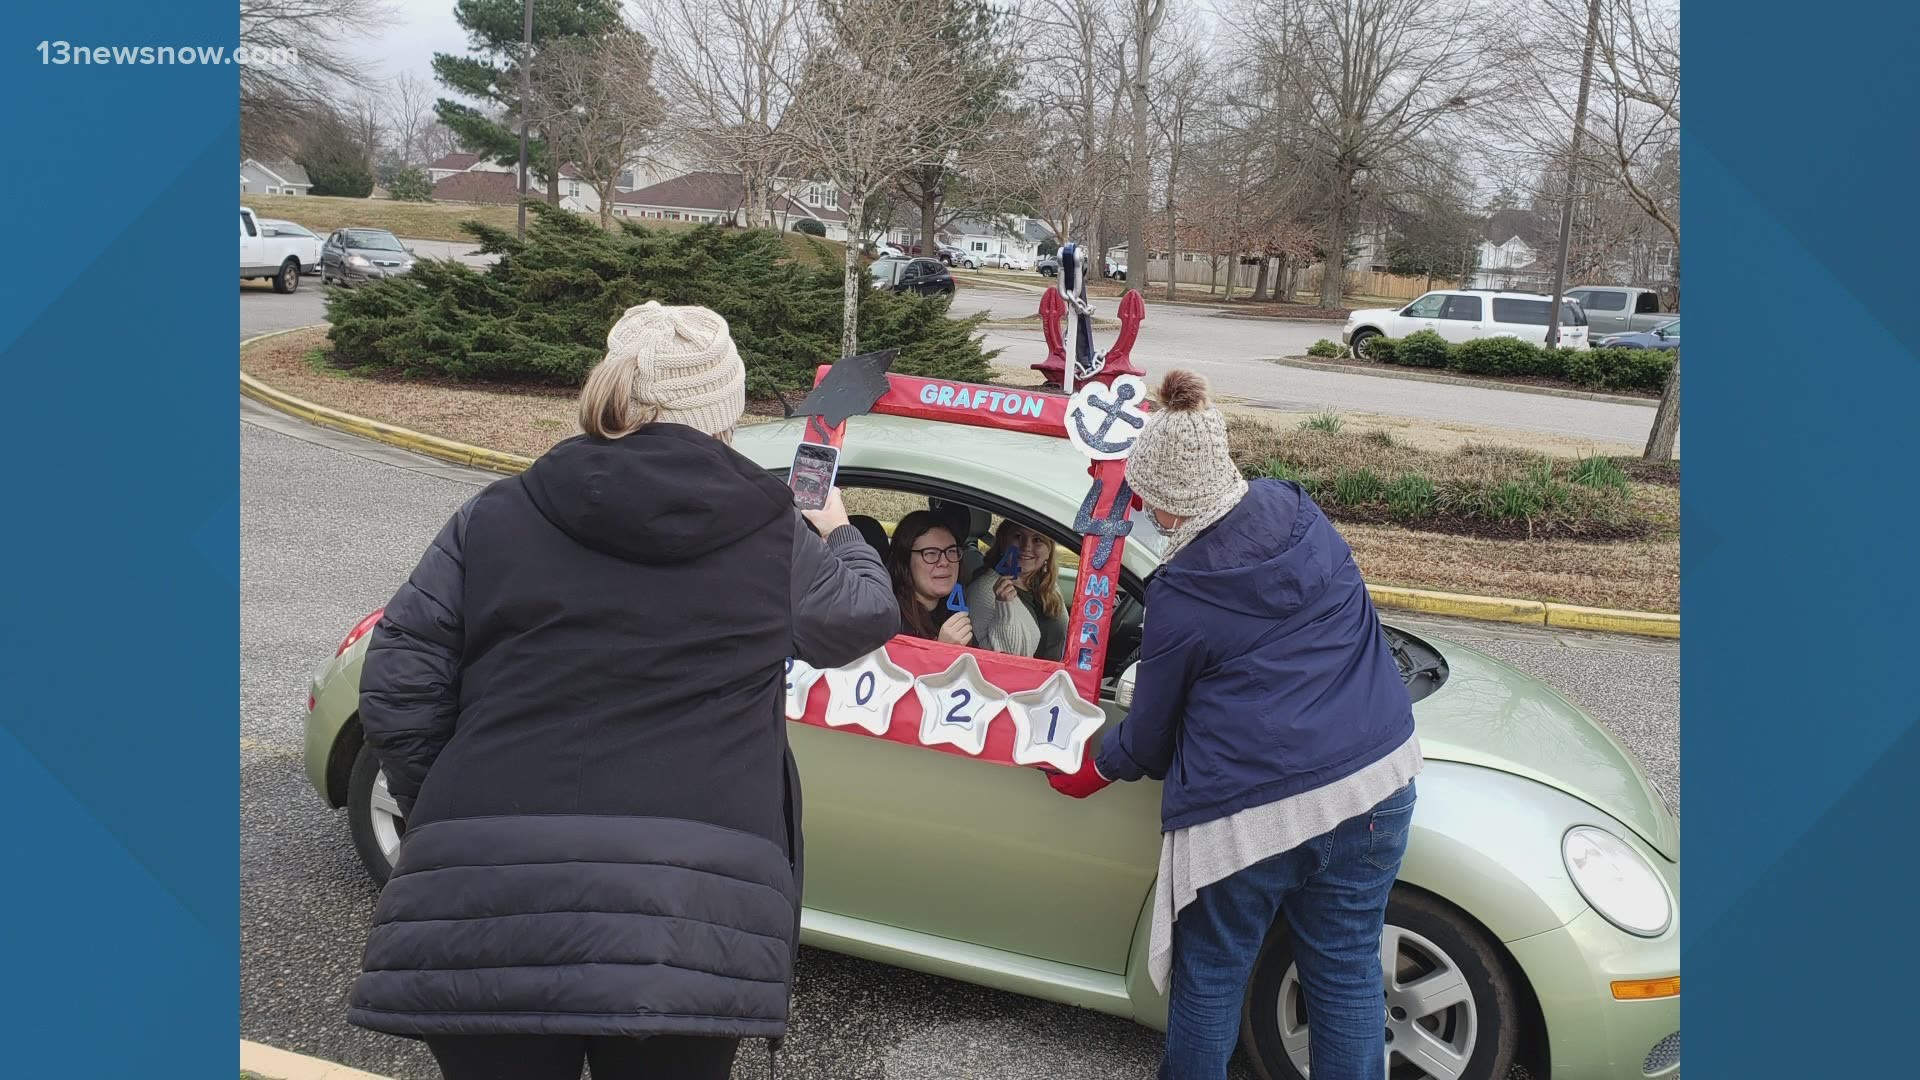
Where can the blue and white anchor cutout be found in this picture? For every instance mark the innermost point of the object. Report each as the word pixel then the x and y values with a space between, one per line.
pixel 1052 723
pixel 1103 422
pixel 957 705
pixel 800 677
pixel 863 693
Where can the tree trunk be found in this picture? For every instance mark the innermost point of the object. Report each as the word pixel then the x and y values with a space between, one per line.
pixel 1334 266
pixel 606 204
pixel 553 187
pixel 1666 418
pixel 751 195
pixel 1283 289
pixel 1233 273
pixel 850 288
pixel 1138 172
pixel 929 213
pixel 1260 283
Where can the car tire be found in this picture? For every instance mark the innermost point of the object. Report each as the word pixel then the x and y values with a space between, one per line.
pixel 1436 940
pixel 1360 340
pixel 372 817
pixel 288 279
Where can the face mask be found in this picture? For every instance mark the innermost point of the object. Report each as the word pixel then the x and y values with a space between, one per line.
pixel 1153 519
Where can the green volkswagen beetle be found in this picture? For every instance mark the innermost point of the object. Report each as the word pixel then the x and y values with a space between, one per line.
pixel 1534 922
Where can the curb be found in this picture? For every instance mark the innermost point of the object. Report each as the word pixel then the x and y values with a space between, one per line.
pixel 265 1061
pixel 1458 605
pixel 432 446
pixel 1455 380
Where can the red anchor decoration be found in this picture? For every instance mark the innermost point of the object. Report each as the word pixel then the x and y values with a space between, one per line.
pixel 1119 359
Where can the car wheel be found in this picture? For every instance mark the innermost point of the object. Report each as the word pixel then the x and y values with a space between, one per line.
pixel 1362 339
pixel 1451 1010
pixel 288 279
pixel 373 816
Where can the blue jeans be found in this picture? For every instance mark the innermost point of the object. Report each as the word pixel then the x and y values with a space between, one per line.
pixel 1333 890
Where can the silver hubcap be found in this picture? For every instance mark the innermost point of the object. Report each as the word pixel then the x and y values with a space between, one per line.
pixel 1431 1022
pixel 387 821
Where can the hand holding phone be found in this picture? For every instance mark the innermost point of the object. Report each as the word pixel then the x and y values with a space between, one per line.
pixel 814 468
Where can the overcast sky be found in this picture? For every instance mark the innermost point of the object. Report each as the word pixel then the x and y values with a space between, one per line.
pixel 420 28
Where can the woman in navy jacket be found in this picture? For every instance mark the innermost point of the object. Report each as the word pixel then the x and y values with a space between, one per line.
pixel 1269 704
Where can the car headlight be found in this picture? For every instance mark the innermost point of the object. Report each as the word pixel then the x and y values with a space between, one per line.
pixel 1617 881
pixel 358 260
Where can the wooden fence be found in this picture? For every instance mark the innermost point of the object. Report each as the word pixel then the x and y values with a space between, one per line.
pixel 1201 271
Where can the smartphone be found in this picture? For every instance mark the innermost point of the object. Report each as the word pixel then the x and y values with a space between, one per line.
pixel 814 468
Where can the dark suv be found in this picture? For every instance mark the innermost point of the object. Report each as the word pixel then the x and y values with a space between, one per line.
pixel 924 276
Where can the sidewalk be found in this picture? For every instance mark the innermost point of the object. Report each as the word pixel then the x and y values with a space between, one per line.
pixel 267 1063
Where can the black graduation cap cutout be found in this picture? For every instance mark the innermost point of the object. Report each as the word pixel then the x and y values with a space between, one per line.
pixel 850 388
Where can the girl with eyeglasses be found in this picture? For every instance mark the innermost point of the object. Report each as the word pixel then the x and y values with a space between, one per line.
pixel 925 563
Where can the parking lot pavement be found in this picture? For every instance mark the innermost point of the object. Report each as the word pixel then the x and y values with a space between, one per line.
pixel 330 526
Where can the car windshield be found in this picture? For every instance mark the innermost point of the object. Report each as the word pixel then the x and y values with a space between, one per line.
pixel 1672 329
pixel 373 240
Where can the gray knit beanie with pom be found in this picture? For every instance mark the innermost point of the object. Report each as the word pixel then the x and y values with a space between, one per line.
pixel 1180 463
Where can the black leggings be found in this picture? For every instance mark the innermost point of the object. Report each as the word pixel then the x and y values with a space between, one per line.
pixel 560 1057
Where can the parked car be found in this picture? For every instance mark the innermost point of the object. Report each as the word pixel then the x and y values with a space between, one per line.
pixel 1462 315
pixel 1116 270
pixel 311 242
pixel 1536 908
pixel 997 259
pixel 927 277
pixel 1619 309
pixel 356 255
pixel 1048 265
pixel 951 255
pixel 268 255
pixel 1664 336
pixel 880 249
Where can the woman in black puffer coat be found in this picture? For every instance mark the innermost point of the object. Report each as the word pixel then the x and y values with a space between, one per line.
pixel 576 700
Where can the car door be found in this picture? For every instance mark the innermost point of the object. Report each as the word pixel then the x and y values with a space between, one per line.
pixel 1462 318
pixel 968 850
pixel 1606 310
pixel 250 241
pixel 1422 314
pixel 330 252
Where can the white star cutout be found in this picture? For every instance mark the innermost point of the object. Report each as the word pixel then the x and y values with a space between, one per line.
pixel 863 693
pixel 800 679
pixel 957 705
pixel 1052 723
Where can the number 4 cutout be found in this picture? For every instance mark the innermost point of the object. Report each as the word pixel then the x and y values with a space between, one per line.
pixel 957 705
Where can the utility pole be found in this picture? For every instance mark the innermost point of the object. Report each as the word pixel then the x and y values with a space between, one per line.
pixel 1573 174
pixel 526 98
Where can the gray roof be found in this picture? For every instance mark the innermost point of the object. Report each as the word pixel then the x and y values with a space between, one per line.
pixel 288 171
pixel 1037 232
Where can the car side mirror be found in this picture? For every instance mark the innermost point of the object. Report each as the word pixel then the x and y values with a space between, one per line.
pixel 1123 687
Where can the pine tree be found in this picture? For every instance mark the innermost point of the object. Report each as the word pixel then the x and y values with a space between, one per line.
pixel 540 313
pixel 494 32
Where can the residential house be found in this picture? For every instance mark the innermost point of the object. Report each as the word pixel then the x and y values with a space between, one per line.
pixel 469 178
pixel 1515 252
pixel 707 196
pixel 273 178
pixel 1018 236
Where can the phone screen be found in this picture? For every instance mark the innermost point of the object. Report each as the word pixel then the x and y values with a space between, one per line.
pixel 812 476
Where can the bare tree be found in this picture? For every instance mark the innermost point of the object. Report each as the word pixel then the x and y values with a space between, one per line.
pixel 1147 17
pixel 364 117
pixel 1183 96
pixel 869 106
pixel 1639 57
pixel 728 68
pixel 1365 79
pixel 1078 53
pixel 277 101
pixel 595 103
pixel 408 112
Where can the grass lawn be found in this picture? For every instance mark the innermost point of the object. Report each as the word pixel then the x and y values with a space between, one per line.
pixel 1499 520
pixel 441 221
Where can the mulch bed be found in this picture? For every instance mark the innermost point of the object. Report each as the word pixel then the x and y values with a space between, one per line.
pixel 1516 380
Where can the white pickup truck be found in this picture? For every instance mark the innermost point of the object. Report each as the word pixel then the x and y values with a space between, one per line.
pixel 265 255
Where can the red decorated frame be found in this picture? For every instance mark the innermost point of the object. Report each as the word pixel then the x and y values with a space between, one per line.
pixel 1096 588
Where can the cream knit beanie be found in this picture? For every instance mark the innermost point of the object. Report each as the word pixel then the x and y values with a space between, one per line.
pixel 685 365
pixel 1180 463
